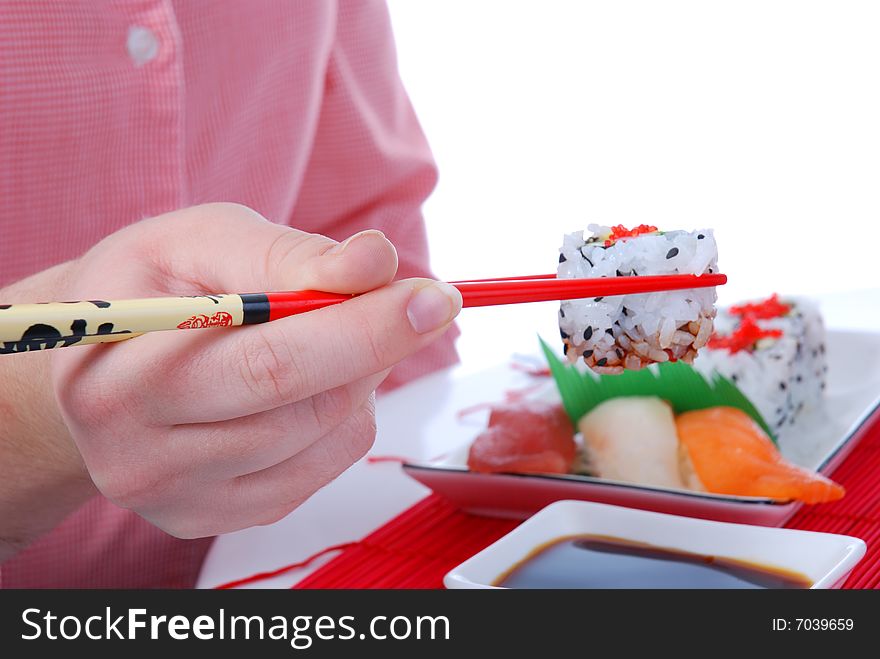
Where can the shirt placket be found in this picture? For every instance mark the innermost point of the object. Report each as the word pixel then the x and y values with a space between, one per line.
pixel 154 49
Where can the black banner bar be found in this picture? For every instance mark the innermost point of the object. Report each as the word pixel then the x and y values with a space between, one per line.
pixel 399 623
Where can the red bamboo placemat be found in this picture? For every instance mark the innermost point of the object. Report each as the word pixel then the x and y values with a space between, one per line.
pixel 419 546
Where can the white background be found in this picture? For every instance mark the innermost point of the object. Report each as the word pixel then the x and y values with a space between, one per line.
pixel 760 119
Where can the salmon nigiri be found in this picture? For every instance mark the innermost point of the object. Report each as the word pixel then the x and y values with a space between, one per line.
pixel 726 452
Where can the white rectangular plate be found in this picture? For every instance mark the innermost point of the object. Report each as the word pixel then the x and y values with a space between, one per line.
pixel 824 558
pixel 819 442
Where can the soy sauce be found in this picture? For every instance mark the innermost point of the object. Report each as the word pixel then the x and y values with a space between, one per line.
pixel 586 561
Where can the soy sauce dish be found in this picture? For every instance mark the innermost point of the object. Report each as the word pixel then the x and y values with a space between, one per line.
pixel 577 544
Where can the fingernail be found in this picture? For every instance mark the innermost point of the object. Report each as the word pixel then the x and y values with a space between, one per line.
pixel 338 248
pixel 433 306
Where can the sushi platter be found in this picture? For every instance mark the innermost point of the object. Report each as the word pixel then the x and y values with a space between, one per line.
pixel 669 404
pixel 818 442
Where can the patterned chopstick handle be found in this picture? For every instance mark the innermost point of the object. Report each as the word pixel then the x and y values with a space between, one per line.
pixel 42 326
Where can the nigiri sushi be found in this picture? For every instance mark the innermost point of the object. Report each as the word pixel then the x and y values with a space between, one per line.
pixel 726 452
pixel 620 332
pixel 632 439
pixel 529 436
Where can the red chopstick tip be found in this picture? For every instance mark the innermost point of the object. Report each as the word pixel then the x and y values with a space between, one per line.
pixel 523 290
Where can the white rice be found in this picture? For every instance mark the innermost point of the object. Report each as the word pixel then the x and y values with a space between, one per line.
pixel 783 377
pixel 630 331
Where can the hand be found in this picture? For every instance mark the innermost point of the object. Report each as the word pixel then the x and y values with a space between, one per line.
pixel 211 431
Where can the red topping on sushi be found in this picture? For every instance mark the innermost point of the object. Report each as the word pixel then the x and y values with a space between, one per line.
pixel 745 337
pixel 621 231
pixel 525 437
pixel 769 308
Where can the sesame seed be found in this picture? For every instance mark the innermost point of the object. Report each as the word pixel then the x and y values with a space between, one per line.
pixel 782 386
pixel 598 299
pixel 619 353
pixel 672 252
pixel 602 361
pixel 586 258
pixel 609 331
pixel 700 236
pixel 562 258
pixel 588 354
pixel 563 334
pixel 625 312
pixel 588 333
pixel 562 313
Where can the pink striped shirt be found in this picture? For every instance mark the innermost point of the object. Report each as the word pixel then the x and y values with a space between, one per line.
pixel 116 110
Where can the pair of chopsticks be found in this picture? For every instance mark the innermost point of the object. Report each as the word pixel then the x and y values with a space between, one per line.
pixel 27 327
pixel 544 288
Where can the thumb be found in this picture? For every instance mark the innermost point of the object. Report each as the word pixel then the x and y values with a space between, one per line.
pixel 361 263
pixel 229 248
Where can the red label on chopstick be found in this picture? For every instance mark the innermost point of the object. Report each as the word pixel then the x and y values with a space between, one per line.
pixel 219 319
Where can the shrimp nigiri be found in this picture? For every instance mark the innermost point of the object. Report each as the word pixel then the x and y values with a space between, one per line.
pixel 726 452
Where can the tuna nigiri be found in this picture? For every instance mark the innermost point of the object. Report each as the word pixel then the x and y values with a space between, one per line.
pixel 724 451
pixel 525 437
pixel 633 439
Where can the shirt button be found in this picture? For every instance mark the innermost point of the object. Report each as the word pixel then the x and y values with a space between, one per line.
pixel 142 45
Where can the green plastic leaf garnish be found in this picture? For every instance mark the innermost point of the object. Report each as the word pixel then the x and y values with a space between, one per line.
pixel 675 382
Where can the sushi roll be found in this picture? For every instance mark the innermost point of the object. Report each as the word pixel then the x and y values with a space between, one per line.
pixel 774 351
pixel 620 332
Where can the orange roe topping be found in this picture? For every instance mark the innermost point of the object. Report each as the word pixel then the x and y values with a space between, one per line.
pixel 769 308
pixel 621 231
pixel 745 337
